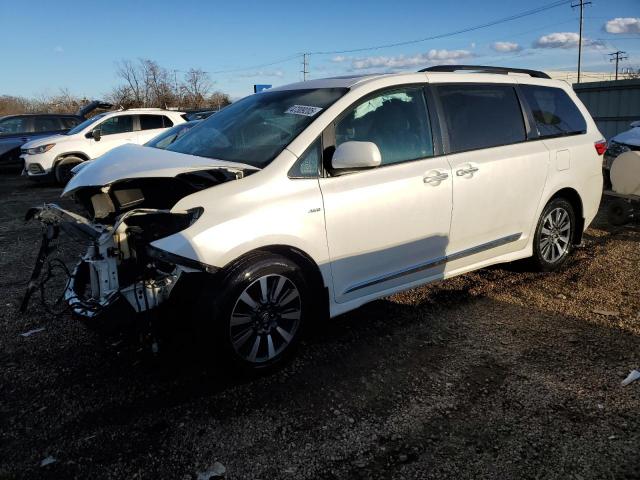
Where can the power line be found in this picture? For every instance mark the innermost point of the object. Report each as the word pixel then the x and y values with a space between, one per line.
pixel 616 57
pixel 397 44
pixel 275 62
pixel 449 34
pixel 581 5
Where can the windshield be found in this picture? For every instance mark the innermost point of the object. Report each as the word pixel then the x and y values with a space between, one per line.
pixel 78 128
pixel 257 128
pixel 169 136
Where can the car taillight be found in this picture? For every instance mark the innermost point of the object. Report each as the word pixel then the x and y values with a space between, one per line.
pixel 601 147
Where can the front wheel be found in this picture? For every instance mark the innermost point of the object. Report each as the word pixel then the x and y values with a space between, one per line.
pixel 62 170
pixel 554 235
pixel 256 317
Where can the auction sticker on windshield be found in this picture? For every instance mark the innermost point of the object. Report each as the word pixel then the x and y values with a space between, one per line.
pixel 305 110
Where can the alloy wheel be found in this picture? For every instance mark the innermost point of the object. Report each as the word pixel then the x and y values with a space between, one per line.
pixel 555 235
pixel 265 318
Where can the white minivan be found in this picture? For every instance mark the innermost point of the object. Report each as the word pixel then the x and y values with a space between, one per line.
pixel 55 156
pixel 311 199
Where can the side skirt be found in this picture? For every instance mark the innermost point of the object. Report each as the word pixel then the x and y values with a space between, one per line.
pixel 435 262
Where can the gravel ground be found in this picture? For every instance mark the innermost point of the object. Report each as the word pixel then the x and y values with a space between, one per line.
pixel 496 374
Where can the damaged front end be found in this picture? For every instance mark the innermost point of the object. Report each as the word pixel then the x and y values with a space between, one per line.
pixel 122 275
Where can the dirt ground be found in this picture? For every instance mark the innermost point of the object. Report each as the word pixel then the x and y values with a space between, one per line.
pixel 495 374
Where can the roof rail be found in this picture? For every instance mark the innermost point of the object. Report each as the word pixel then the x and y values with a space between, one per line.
pixel 485 69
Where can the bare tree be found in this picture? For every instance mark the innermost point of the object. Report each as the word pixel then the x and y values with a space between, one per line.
pixel 218 100
pixel 160 90
pixel 134 83
pixel 197 85
pixel 144 83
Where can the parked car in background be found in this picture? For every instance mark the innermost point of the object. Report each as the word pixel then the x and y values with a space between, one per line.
pixel 627 141
pixel 55 156
pixel 16 130
pixel 161 141
pixel 312 199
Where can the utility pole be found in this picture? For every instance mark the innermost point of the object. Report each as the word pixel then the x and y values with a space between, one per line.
pixel 305 66
pixel 581 5
pixel 175 79
pixel 617 56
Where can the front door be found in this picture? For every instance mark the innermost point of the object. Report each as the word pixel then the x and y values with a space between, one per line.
pixel 388 227
pixel 114 131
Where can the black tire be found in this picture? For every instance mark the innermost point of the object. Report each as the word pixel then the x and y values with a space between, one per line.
pixel 619 212
pixel 63 168
pixel 220 341
pixel 550 251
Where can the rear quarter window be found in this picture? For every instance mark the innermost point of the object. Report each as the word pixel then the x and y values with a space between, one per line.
pixel 481 116
pixel 554 113
pixel 151 122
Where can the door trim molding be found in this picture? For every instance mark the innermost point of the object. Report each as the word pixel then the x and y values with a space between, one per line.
pixel 435 262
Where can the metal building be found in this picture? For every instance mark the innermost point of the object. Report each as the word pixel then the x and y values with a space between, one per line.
pixel 613 104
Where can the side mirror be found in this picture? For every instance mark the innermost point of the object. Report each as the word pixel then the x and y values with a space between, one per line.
pixel 356 155
pixel 96 134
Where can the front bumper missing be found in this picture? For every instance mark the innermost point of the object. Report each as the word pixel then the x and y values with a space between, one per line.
pixel 95 292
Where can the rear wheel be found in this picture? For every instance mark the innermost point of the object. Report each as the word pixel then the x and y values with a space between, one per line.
pixel 63 169
pixel 554 235
pixel 255 317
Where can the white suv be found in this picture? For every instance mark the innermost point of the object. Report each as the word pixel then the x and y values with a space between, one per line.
pixel 314 198
pixel 55 156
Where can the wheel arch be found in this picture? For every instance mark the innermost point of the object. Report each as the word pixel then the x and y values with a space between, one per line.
pixel 573 197
pixel 310 268
pixel 64 155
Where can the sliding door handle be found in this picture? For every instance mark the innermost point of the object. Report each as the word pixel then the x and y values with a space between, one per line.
pixel 466 171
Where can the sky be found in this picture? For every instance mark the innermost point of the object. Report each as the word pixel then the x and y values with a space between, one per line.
pixel 76 45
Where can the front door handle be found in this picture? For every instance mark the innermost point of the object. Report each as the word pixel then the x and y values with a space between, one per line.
pixel 466 171
pixel 435 178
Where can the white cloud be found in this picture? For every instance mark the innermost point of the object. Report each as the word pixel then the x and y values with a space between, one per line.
pixel 623 25
pixel 506 47
pixel 565 40
pixel 339 59
pixel 473 44
pixel 402 61
pixel 58 49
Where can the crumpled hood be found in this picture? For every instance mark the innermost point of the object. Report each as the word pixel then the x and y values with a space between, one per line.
pixel 135 161
pixel 45 140
pixel 630 137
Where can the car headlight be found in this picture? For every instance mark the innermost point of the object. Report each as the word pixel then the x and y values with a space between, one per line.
pixel 40 149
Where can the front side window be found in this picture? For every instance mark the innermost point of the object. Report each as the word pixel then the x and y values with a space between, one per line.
pixel 396 121
pixel 89 121
pixel 554 112
pixel 119 124
pixel 481 116
pixel 257 128
pixel 13 125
